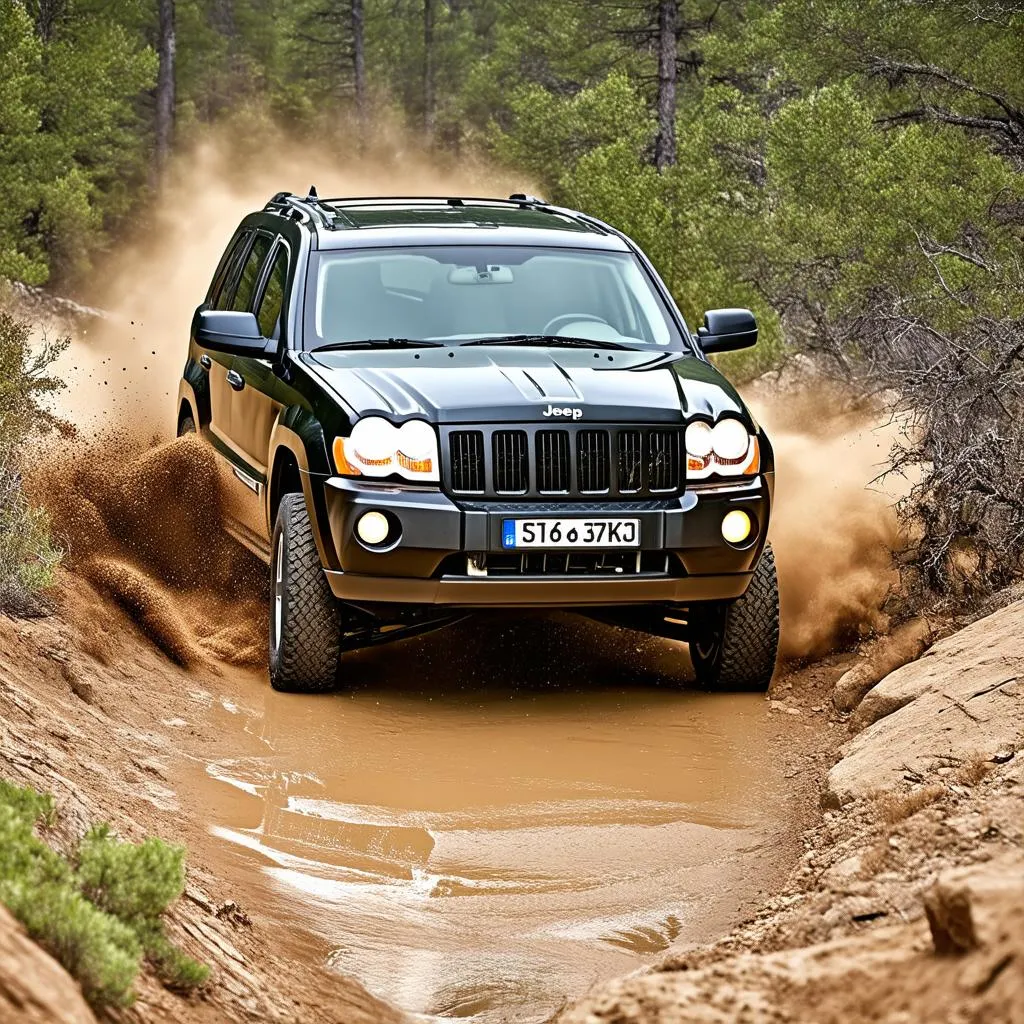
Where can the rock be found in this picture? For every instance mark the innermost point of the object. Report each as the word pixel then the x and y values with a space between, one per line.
pixel 951 706
pixel 1003 756
pixel 969 908
pixel 34 988
pixel 905 645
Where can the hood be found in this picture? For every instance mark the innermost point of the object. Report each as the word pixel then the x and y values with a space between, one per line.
pixel 522 385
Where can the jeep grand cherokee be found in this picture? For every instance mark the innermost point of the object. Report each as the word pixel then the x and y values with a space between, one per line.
pixel 429 407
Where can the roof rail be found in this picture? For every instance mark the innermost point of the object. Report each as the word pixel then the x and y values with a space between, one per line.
pixel 330 213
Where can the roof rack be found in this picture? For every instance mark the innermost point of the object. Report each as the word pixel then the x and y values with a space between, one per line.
pixel 330 213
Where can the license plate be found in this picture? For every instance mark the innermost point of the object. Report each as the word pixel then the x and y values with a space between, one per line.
pixel 570 533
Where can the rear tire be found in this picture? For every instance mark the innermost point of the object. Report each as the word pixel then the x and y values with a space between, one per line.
pixel 734 646
pixel 186 426
pixel 305 621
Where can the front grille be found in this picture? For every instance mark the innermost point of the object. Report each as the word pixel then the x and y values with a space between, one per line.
pixel 467 461
pixel 572 463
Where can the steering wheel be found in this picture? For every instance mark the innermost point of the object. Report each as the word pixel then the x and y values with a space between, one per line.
pixel 551 327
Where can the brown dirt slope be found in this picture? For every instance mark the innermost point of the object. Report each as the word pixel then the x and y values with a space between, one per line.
pixel 92 712
pixel 908 904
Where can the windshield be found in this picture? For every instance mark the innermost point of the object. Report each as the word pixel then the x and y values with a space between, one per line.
pixel 455 294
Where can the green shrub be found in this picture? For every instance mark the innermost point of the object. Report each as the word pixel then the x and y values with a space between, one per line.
pixel 136 884
pixel 100 917
pixel 28 557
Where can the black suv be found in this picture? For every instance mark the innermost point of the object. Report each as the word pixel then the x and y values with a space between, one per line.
pixel 430 407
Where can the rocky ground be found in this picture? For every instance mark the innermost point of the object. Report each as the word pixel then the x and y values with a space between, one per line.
pixel 908 903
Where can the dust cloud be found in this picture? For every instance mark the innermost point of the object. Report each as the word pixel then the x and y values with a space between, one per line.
pixel 834 530
pixel 125 370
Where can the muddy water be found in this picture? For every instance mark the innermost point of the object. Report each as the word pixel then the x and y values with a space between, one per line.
pixel 497 816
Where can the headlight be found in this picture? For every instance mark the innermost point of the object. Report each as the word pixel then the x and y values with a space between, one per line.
pixel 727 449
pixel 376 447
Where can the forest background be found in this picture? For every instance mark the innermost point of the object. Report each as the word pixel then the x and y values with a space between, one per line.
pixel 849 169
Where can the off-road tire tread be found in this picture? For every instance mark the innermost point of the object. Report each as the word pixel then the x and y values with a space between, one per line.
pixel 186 426
pixel 310 640
pixel 750 643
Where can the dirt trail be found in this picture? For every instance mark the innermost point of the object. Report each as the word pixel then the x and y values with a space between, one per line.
pixel 482 828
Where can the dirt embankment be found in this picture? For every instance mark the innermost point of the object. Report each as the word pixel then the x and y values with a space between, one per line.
pixel 908 904
pixel 93 712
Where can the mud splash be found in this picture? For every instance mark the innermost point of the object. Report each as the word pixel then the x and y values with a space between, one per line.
pixel 142 523
pixel 489 824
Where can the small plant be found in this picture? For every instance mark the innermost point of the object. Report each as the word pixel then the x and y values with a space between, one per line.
pixel 136 883
pixel 897 807
pixel 28 557
pixel 101 916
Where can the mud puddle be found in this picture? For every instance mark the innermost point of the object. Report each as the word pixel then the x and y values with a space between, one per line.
pixel 499 815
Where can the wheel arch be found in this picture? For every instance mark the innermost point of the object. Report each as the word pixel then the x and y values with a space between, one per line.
pixel 289 472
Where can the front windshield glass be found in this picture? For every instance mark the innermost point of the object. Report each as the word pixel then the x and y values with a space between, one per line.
pixel 455 294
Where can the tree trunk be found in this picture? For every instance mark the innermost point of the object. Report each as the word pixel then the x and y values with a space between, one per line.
pixel 166 48
pixel 359 59
pixel 429 98
pixel 668 45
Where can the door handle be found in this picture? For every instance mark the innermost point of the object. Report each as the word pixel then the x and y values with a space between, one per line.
pixel 236 380
pixel 205 361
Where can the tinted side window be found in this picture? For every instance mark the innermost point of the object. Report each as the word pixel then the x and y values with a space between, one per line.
pixel 250 275
pixel 269 313
pixel 220 290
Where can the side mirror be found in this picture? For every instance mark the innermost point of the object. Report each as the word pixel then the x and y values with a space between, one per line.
pixel 726 330
pixel 226 330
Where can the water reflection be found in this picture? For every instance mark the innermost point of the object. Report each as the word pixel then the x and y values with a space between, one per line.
pixel 496 817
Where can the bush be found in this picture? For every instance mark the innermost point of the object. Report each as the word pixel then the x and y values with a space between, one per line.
pixel 27 555
pixel 99 918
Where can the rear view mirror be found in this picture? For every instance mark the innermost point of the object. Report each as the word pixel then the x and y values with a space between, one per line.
pixel 492 274
pixel 726 330
pixel 226 330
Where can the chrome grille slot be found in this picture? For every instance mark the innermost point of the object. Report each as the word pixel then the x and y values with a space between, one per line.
pixel 663 460
pixel 593 466
pixel 630 462
pixel 467 457
pixel 553 461
pixel 511 462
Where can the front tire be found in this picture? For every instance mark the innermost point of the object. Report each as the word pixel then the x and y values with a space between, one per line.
pixel 734 646
pixel 305 622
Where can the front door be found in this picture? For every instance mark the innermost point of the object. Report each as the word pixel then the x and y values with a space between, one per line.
pixel 245 471
pixel 258 404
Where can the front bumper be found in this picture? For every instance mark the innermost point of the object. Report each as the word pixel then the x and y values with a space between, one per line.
pixel 420 568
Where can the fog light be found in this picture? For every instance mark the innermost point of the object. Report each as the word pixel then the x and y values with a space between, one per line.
pixel 373 528
pixel 736 526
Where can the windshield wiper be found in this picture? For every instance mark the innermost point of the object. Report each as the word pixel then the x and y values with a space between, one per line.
pixel 379 343
pixel 552 340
